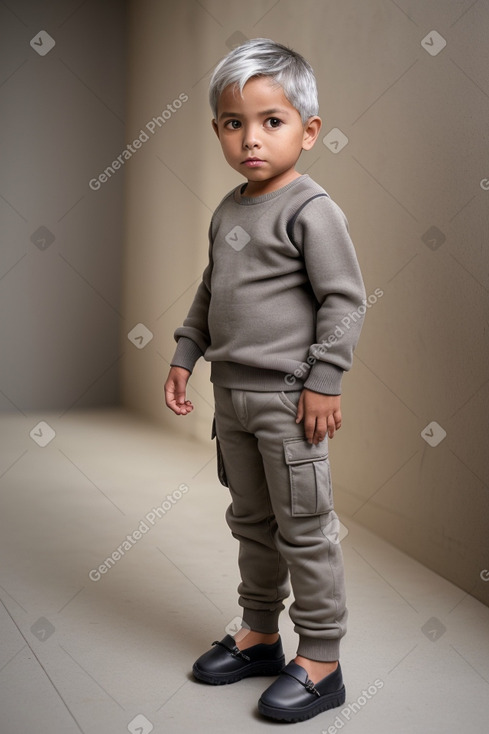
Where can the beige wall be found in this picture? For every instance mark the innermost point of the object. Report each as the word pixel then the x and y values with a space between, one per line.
pixel 409 180
pixel 62 122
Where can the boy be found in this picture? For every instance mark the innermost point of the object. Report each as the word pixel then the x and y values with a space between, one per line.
pixel 282 274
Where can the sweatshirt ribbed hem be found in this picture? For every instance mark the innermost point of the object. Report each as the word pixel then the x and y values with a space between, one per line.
pixel 242 377
pixel 324 378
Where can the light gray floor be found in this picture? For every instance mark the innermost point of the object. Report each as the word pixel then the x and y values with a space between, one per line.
pixel 113 655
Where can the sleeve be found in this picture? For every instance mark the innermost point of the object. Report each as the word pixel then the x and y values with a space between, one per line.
pixel 334 274
pixel 186 354
pixel 193 337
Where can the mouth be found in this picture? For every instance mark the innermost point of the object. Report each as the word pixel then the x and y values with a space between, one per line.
pixel 252 162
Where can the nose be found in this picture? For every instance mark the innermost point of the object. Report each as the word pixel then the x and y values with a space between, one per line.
pixel 250 138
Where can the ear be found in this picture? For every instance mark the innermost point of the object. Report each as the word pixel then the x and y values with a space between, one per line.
pixel 311 132
pixel 215 128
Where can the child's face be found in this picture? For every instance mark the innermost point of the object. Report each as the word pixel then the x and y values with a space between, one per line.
pixel 262 134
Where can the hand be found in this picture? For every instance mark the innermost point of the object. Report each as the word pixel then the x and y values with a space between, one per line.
pixel 321 415
pixel 175 391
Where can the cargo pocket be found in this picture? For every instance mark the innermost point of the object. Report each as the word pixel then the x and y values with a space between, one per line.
pixel 310 476
pixel 221 472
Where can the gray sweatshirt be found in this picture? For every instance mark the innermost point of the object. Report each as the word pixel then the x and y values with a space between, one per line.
pixel 280 302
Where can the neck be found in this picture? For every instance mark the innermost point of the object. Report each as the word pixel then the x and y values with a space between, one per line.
pixel 258 188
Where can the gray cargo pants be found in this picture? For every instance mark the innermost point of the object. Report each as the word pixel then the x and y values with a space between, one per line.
pixel 282 515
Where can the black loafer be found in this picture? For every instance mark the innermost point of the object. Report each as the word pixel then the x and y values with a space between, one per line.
pixel 293 697
pixel 225 663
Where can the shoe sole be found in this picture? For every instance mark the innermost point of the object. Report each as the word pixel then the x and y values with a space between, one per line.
pixel 328 701
pixel 252 670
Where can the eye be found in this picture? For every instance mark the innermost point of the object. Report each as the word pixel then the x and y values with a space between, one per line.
pixel 232 124
pixel 273 122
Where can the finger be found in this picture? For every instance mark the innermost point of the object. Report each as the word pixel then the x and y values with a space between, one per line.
pixel 320 432
pixel 183 409
pixel 300 409
pixel 180 396
pixel 180 392
pixel 331 426
pixel 309 428
pixel 173 405
pixel 184 406
pixel 175 402
pixel 337 418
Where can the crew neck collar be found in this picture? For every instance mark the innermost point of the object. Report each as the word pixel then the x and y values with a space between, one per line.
pixel 240 198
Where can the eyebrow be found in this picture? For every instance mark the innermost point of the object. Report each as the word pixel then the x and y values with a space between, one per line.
pixel 274 111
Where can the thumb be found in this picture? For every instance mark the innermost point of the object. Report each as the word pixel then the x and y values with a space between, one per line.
pixel 180 391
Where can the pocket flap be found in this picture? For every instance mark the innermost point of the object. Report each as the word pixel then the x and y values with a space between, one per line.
pixel 299 451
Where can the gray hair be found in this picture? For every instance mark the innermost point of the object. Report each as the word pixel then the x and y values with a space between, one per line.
pixel 263 57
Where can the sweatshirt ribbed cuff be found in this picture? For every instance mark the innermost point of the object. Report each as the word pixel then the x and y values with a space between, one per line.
pixel 324 378
pixel 186 354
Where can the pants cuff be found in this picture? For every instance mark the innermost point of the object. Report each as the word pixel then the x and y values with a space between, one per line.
pixel 264 621
pixel 316 649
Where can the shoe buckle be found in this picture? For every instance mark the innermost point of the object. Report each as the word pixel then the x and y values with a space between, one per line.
pixel 309 686
pixel 235 651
